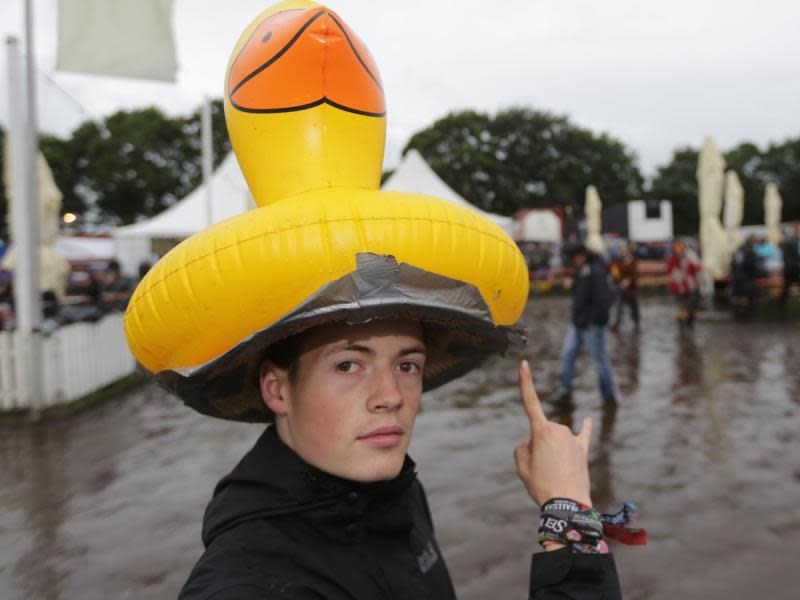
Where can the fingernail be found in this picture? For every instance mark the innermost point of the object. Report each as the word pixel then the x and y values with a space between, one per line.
pixel 526 366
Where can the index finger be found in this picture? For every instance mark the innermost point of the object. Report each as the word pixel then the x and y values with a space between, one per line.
pixel 530 399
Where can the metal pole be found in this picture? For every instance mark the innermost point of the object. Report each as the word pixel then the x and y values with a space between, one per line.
pixel 31 184
pixel 207 158
pixel 24 228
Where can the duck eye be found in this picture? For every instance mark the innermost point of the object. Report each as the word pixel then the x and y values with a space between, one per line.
pixel 266 37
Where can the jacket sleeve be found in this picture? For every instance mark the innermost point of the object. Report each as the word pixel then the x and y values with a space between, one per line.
pixel 562 575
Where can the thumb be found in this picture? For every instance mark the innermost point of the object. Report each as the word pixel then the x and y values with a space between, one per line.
pixel 522 458
pixel 585 434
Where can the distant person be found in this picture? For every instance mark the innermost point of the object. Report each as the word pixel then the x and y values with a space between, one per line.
pixel 626 276
pixel 683 279
pixel 591 302
pixel 791 265
pixel 144 267
pixel 117 288
pixel 744 272
pixel 6 301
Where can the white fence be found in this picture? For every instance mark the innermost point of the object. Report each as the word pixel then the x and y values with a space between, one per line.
pixel 77 359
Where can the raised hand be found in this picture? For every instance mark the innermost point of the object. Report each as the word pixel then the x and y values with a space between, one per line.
pixel 552 462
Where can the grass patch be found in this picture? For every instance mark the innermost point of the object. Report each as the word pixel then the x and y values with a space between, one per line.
pixel 82 404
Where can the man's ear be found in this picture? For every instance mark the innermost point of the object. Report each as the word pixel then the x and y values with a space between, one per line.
pixel 274 383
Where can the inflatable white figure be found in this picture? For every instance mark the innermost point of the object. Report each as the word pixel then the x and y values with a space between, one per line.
pixel 772 213
pixel 53 268
pixel 713 240
pixel 734 210
pixel 593 208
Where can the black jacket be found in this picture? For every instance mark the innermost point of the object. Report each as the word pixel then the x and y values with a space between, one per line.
pixel 791 257
pixel 591 294
pixel 278 528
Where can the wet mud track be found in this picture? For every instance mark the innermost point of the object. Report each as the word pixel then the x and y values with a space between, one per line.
pixel 706 440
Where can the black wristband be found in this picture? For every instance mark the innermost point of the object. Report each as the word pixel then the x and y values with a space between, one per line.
pixel 568 522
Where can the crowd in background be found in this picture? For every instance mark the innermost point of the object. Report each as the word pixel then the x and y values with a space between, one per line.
pixel 758 269
pixel 96 289
pixel 93 290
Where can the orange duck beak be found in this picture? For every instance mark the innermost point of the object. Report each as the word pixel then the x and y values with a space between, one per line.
pixel 271 73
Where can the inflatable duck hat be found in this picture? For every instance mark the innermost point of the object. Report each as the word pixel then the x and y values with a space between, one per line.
pixel 306 116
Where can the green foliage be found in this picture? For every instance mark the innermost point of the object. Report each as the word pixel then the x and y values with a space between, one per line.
pixel 779 163
pixel 676 181
pixel 526 158
pixel 386 174
pixel 135 164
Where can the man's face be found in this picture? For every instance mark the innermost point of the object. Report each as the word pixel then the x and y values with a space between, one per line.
pixel 351 406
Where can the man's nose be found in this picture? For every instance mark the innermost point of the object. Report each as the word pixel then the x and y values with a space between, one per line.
pixel 386 394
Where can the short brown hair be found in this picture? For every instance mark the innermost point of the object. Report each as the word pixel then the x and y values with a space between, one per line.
pixel 285 354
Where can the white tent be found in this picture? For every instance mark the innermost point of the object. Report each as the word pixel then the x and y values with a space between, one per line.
pixel 78 248
pixel 230 197
pixel 415 175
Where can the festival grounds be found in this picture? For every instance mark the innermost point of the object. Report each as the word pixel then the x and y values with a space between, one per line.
pixel 706 440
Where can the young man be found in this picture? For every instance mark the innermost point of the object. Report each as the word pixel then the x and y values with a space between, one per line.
pixel 327 503
pixel 591 302
pixel 326 311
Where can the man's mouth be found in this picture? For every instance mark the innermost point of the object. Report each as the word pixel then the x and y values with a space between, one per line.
pixel 383 437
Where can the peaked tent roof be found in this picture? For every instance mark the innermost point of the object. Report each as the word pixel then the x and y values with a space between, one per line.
pixel 415 175
pixel 231 196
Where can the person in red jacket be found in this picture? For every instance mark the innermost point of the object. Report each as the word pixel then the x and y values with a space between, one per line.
pixel 683 279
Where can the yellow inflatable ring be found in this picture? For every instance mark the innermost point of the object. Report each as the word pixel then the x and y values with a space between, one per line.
pixel 202 317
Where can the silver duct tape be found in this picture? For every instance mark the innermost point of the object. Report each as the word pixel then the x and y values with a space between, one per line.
pixel 461 333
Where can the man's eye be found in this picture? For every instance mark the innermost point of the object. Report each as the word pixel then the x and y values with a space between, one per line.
pixel 347 366
pixel 410 367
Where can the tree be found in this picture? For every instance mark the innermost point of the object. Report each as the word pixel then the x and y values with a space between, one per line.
pixel 779 163
pixel 526 158
pixel 135 164
pixel 677 182
pixel 746 159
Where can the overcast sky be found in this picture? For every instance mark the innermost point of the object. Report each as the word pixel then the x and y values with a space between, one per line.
pixel 656 74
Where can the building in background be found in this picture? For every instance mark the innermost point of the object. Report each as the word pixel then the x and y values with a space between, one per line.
pixel 640 221
pixel 539 225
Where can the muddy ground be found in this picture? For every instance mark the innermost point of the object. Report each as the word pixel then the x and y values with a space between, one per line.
pixel 705 440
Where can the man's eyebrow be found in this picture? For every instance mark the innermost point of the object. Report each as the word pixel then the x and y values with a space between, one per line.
pixel 412 350
pixel 355 347
pixel 349 346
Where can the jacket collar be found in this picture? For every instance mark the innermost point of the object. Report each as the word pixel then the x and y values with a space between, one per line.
pixel 273 481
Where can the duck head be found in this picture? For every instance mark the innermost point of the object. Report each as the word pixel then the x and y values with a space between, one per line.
pixel 304 104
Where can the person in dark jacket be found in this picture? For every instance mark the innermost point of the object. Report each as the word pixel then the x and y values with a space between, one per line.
pixel 790 248
pixel 744 272
pixel 591 302
pixel 327 504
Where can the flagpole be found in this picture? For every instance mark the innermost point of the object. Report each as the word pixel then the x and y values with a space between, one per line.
pixel 34 349
pixel 207 158
pixel 24 227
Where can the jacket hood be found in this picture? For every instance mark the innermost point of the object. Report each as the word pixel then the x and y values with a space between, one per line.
pixel 272 481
